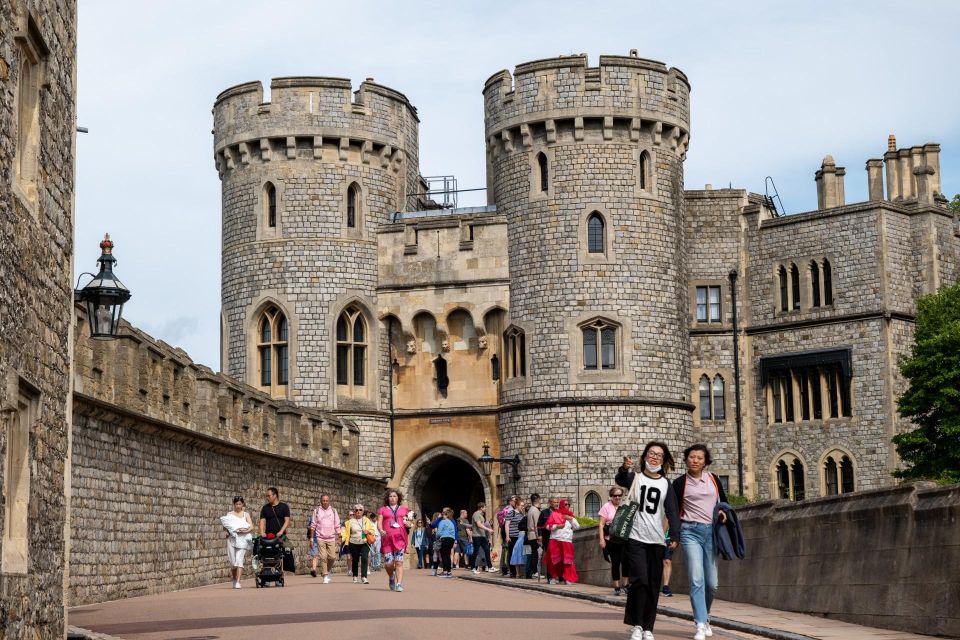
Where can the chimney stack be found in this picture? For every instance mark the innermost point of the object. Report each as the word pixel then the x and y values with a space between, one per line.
pixel 875 179
pixel 829 179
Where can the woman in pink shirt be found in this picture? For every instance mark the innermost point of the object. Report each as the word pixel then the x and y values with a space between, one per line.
pixel 393 524
pixel 611 549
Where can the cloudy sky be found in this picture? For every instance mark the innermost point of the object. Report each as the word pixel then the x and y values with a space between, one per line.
pixel 776 86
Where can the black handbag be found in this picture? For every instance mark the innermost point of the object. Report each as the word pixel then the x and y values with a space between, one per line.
pixel 623 520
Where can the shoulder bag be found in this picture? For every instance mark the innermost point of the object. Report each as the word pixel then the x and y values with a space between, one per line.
pixel 622 522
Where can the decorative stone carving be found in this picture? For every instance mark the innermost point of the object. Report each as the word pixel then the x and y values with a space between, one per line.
pixel 411 346
pixel 482 343
pixel 445 345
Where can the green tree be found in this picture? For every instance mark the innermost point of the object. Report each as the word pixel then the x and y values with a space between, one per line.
pixel 955 204
pixel 932 400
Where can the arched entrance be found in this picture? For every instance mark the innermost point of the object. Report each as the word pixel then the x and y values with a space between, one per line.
pixel 444 477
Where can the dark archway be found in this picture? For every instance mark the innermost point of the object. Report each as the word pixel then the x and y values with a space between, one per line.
pixel 451 483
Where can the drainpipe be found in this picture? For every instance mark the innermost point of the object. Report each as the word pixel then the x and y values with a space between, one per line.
pixel 393 460
pixel 736 380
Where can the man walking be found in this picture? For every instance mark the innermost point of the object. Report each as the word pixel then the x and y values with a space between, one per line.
pixel 324 531
pixel 274 516
pixel 533 517
pixel 465 540
pixel 503 519
pixel 481 543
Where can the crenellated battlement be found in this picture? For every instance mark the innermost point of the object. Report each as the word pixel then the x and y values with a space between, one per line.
pixel 622 94
pixel 319 118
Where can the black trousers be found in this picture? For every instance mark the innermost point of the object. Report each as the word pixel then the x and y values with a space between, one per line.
pixel 616 560
pixel 644 564
pixel 446 546
pixel 359 554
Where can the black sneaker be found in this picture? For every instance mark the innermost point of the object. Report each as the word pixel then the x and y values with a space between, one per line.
pixel 666 591
pixel 313 573
pixel 616 591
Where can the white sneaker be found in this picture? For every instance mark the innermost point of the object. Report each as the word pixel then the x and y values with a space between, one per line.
pixel 637 633
pixel 535 576
pixel 707 631
pixel 701 633
pixel 364 581
pixel 648 635
pixel 327 580
pixel 236 585
pixel 354 580
pixel 475 572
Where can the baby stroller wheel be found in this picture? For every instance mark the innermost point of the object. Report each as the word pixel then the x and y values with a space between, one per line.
pixel 280 582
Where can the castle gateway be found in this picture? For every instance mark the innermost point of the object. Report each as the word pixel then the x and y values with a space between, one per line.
pixel 587 308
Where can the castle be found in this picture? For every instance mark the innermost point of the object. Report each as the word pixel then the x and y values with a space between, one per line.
pixel 588 308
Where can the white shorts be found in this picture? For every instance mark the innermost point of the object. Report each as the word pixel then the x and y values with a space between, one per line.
pixel 236 555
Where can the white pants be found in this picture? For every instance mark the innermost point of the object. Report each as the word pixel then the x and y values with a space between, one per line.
pixel 236 555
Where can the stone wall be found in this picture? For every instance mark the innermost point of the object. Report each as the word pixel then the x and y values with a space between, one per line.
pixel 37 134
pixel 161 446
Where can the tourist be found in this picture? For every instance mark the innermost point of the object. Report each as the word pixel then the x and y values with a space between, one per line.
pixel 324 536
pixel 274 516
pixel 644 550
pixel 376 558
pixel 418 543
pixel 504 533
pixel 358 533
pixel 464 540
pixel 239 528
pixel 393 525
pixel 698 492
pixel 512 520
pixel 447 534
pixel 533 517
pixel 552 505
pixel 561 524
pixel 435 544
pixel 612 550
pixel 481 543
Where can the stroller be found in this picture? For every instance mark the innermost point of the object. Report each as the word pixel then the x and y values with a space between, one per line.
pixel 268 561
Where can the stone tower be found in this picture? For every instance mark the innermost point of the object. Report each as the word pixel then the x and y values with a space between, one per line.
pixel 306 179
pixel 586 163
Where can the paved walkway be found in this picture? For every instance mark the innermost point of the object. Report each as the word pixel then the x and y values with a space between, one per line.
pixel 732 615
pixel 305 608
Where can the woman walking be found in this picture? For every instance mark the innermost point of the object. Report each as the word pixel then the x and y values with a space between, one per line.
pixel 393 526
pixel 612 550
pixel 238 527
pixel 358 532
pixel 644 549
pixel 417 540
pixel 698 493
pixel 561 524
pixel 447 533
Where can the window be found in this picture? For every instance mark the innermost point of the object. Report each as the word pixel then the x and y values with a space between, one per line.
pixel 595 234
pixel 788 476
pixel 712 401
pixel 516 347
pixel 544 174
pixel 795 285
pixel 708 304
pixel 827 283
pixel 16 482
pixel 837 473
pixel 704 398
pixel 719 410
pixel 782 275
pixel 351 336
pixel 270 204
pixel 846 475
pixel 814 284
pixel 273 349
pixel 599 346
pixel 776 390
pixel 353 199
pixel 25 165
pixel 644 171
pixel 591 504
pixel 820 379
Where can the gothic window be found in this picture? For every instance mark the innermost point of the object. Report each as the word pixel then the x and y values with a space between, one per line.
pixel 595 233
pixel 814 284
pixel 789 478
pixel 270 204
pixel 16 482
pixel 827 283
pixel 544 174
pixel 353 202
pixel 591 504
pixel 704 397
pixel 644 171
pixel 846 475
pixel 27 149
pixel 273 350
pixel 712 400
pixel 838 473
pixel 823 391
pixel 782 277
pixel 599 346
pixel 719 409
pixel 515 343
pixel 797 479
pixel 831 477
pixel 795 285
pixel 352 342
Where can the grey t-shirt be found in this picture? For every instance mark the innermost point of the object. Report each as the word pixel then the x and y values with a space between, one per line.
pixel 478 521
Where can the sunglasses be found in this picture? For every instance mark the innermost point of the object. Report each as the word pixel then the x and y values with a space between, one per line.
pixel 617 495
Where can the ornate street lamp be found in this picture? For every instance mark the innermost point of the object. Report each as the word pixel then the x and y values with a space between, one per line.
pixel 103 296
pixel 486 463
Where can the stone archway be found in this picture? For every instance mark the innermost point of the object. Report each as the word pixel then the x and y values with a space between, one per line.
pixel 445 476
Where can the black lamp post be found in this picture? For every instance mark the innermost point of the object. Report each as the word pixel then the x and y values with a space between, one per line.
pixel 104 295
pixel 486 463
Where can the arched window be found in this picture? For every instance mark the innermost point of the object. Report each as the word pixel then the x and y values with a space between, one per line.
pixel 832 477
pixel 599 345
pixel 783 481
pixel 846 475
pixel 515 344
pixel 544 174
pixel 591 504
pixel 789 478
pixel 353 201
pixel 351 348
pixel 838 473
pixel 719 410
pixel 782 275
pixel 795 284
pixel 797 477
pixel 645 171
pixel 827 283
pixel 273 350
pixel 814 284
pixel 595 233
pixel 704 397
pixel 270 204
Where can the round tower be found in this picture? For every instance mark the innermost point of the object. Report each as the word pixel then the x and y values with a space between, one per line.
pixel 587 165
pixel 306 179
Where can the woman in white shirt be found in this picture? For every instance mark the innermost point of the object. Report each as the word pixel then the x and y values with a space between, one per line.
pixel 238 527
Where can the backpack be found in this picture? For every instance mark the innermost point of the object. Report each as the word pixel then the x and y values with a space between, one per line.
pixel 502 515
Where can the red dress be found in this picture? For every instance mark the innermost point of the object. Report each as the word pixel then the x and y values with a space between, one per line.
pixel 559 557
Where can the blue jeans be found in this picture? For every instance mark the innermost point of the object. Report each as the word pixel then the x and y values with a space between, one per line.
pixel 696 539
pixel 420 551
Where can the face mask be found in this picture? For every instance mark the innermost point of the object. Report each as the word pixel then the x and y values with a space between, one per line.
pixel 655 469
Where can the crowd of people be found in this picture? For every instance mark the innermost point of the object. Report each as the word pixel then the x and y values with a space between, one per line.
pixel 536 541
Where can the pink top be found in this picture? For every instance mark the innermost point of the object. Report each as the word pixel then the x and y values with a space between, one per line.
pixel 395 538
pixel 607 512
pixel 699 499
pixel 325 523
